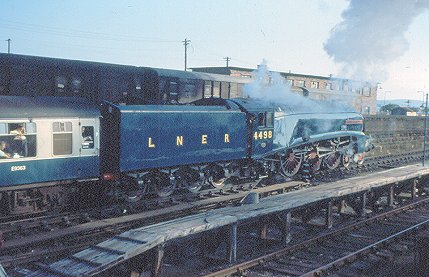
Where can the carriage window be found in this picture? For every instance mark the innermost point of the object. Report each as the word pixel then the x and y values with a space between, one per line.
pixel 17 140
pixel 225 88
pixel 3 129
pixel 173 93
pixel 62 138
pixel 87 137
pixel 216 89
pixel 60 84
pixel 76 85
pixel 207 89
pixel 234 91
pixel 261 120
pixel 270 120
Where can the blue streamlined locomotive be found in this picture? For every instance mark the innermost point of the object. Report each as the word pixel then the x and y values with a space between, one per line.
pixel 158 148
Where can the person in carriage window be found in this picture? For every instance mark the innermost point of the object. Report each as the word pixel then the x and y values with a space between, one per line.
pixel 87 137
pixel 3 150
pixel 19 144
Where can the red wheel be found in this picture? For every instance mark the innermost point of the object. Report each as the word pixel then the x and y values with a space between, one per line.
pixel 333 160
pixel 290 164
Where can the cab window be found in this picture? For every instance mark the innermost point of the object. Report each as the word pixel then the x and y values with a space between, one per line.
pixel 62 138
pixel 270 119
pixel 261 120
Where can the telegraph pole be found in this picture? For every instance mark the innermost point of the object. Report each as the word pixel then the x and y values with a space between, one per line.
pixel 227 59
pixel 8 45
pixel 425 131
pixel 186 42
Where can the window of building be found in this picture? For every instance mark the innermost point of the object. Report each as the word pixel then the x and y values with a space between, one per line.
pixel 298 83
pixel 17 140
pixel 62 138
pixel 366 110
pixel 366 91
pixel 314 84
pixel 87 137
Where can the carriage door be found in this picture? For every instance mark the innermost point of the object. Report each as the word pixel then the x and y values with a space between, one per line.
pixel 89 137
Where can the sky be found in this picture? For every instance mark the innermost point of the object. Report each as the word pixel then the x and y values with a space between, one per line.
pixel 354 39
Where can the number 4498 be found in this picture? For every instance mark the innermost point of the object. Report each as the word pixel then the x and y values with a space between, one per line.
pixel 263 135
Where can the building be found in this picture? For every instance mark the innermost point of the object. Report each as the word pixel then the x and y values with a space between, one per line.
pixel 403 111
pixel 362 96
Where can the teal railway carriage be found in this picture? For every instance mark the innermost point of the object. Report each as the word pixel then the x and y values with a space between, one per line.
pixel 55 149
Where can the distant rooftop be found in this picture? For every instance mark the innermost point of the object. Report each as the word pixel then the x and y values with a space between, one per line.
pixel 228 71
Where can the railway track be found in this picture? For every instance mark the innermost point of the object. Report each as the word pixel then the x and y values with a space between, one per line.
pixel 31 240
pixel 354 250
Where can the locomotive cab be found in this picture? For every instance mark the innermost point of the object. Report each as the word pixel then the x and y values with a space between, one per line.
pixel 260 126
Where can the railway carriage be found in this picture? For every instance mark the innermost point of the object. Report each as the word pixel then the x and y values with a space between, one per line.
pixel 53 134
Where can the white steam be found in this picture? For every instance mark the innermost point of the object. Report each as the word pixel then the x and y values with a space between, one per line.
pixel 272 88
pixel 372 35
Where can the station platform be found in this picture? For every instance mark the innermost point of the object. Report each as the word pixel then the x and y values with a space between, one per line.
pixel 114 251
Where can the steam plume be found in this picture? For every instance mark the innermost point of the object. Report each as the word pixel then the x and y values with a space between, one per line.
pixel 272 88
pixel 372 35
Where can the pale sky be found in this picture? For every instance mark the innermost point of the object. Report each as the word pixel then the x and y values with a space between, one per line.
pixel 289 35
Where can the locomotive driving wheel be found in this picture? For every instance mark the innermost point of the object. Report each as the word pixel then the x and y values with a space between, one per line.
pixel 290 163
pixel 345 160
pixel 333 160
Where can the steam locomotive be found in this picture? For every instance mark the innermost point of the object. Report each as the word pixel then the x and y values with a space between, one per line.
pixel 135 142
pixel 155 149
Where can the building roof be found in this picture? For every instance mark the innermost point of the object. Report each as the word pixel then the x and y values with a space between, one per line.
pixel 227 71
pixel 46 106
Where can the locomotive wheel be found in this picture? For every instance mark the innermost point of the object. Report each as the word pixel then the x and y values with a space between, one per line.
pixel 217 183
pixel 333 160
pixel 315 164
pixel 345 160
pixel 163 185
pixel 134 190
pixel 191 179
pixel 216 176
pixel 314 161
pixel 290 164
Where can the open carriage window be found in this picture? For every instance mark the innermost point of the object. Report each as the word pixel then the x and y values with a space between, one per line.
pixel 87 137
pixel 17 140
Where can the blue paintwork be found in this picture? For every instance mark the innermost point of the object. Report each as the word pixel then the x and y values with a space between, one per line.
pixel 163 124
pixel 289 130
pixel 46 170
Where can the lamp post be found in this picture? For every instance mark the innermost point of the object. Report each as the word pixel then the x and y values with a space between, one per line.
pixel 425 130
